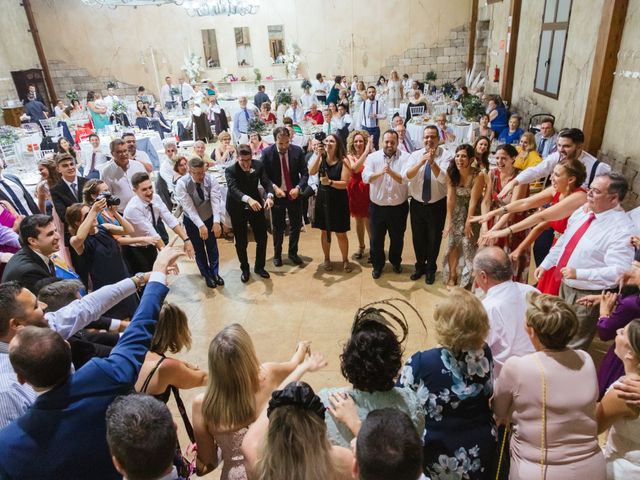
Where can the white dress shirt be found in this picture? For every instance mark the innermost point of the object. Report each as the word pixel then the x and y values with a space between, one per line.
pixel 438 184
pixel 634 215
pixel 295 114
pixel 384 190
pixel 307 99
pixel 506 306
pixel 377 107
pixel 119 181
pixel 165 95
pixel 314 181
pixel 186 92
pixel 139 215
pixel 602 254
pixel 211 188
pixel 545 168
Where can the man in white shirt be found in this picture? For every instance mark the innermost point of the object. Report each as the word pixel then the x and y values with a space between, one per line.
pixel 331 124
pixel 295 111
pixel 593 252
pixel 242 118
pixel 110 98
pixel 186 92
pixel 119 171
pixel 145 211
pixel 97 160
pixel 167 97
pixel 404 142
pixel 426 173
pixel 372 112
pixel 320 88
pixel 388 209
pixel 407 83
pixel 506 304
pixel 134 153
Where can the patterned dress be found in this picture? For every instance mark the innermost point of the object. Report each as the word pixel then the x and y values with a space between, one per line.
pixel 460 433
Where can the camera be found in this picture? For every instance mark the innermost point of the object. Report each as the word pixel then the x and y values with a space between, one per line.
pixel 320 136
pixel 111 199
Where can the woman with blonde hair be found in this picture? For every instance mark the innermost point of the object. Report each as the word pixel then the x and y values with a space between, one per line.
pixel 224 152
pixel 359 146
pixel 158 372
pixel 239 388
pixel 455 383
pixel 528 157
pixel 549 397
pixel 396 91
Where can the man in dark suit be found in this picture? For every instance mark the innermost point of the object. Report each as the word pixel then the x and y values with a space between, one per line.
pixel 64 194
pixel 12 191
pixel 288 172
pixel 245 204
pixel 39 239
pixel 69 414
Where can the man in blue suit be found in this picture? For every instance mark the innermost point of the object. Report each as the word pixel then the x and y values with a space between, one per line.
pixel 63 435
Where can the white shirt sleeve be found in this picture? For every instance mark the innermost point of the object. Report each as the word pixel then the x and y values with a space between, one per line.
pixel 188 206
pixel 215 196
pixel 168 218
pixel 542 170
pixel 368 169
pixel 136 215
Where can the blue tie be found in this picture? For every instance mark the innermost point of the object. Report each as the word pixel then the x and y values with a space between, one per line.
pixel 294 116
pixel 16 202
pixel 246 114
pixel 426 186
pixel 541 148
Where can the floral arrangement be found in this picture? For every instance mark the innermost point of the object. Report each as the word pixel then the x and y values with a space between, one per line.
pixel 283 97
pixel 305 84
pixel 472 108
pixel 258 74
pixel 269 77
pixel 175 91
pixel 8 136
pixel 230 78
pixel 192 67
pixel 292 59
pixel 430 76
pixel 112 84
pixel 256 124
pixel 448 89
pixel 72 95
pixel 119 107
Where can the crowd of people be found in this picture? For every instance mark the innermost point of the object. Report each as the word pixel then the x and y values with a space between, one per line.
pixel 511 390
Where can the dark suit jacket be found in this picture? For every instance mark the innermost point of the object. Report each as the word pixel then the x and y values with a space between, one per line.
pixel 65 428
pixel 241 183
pixel 30 201
pixel 27 268
pixel 62 198
pixel 297 166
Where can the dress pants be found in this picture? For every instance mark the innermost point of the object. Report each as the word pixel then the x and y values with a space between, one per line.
pixel 207 257
pixel 140 259
pixel 427 223
pixel 383 219
pixel 587 316
pixel 281 207
pixel 542 245
pixel 258 222
pixel 375 133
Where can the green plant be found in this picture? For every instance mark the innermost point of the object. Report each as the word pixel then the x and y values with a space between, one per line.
pixel 472 108
pixel 448 89
pixel 256 124
pixel 112 84
pixel 430 76
pixel 72 95
pixel 118 107
pixel 305 84
pixel 258 74
pixel 8 136
pixel 283 97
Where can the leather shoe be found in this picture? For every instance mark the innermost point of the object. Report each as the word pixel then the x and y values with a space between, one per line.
pixel 211 283
pixel 219 281
pixel 262 272
pixel 416 275
pixel 431 278
pixel 397 268
pixel 277 262
pixel 376 274
pixel 244 277
pixel 295 259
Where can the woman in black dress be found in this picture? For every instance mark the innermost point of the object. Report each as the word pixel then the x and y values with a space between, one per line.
pixel 332 203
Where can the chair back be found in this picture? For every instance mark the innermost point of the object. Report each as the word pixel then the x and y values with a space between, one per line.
pixel 417 111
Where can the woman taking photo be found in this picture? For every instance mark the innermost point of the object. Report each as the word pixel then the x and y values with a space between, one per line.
pixel 332 202
pixel 359 146
pixel 50 177
pixel 224 153
pixel 455 382
pixel 238 389
pixel 550 399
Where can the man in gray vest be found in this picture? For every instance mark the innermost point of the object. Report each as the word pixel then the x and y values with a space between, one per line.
pixel 201 199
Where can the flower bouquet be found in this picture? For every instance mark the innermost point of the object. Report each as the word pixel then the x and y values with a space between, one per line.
pixel 118 107
pixel 112 84
pixel 191 67
pixel 448 89
pixel 292 59
pixel 256 124
pixel 72 95
pixel 305 84
pixel 283 97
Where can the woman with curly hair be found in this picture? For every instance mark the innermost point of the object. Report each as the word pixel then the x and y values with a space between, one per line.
pixel 455 382
pixel 370 361
pixel 359 146
pixel 50 176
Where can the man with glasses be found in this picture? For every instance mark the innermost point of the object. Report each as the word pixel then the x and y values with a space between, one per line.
pixel 119 171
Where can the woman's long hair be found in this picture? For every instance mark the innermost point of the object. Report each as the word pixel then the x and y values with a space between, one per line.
pixel 363 133
pixel 452 171
pixel 229 402
pixel 50 165
pixel 340 152
pixel 483 161
pixel 172 331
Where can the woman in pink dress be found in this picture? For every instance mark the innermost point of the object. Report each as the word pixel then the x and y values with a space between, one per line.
pixel 359 145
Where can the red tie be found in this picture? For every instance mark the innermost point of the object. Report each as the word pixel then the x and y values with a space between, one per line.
pixel 285 173
pixel 573 243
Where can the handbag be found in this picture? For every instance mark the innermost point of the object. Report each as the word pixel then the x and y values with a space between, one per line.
pixel 185 463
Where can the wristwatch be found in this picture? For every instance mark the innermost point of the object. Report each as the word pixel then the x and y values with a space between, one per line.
pixel 139 280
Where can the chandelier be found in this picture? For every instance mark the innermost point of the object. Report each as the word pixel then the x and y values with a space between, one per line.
pixel 194 8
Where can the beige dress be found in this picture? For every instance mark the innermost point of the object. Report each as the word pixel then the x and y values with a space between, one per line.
pixel 230 444
pixel 572 451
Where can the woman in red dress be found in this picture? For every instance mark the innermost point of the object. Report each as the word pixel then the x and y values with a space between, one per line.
pixel 565 194
pixel 266 115
pixel 359 145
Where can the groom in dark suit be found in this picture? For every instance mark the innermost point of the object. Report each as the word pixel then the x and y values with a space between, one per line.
pixel 245 204
pixel 287 170
pixel 64 194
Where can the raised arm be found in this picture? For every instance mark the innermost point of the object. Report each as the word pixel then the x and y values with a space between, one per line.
pixel 86 227
pixel 521 205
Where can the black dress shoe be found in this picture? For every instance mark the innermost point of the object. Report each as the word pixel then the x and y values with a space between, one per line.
pixel 376 274
pixel 244 277
pixel 262 272
pixel 397 268
pixel 211 283
pixel 416 275
pixel 219 281
pixel 277 262
pixel 295 259
pixel 431 278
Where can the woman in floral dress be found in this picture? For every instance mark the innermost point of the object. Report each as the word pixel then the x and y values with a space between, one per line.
pixel 454 383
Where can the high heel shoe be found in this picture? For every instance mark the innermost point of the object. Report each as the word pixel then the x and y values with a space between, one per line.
pixel 360 254
pixel 327 266
pixel 348 268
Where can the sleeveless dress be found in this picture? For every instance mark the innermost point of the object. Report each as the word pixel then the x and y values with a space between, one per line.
pixel 357 111
pixel 622 451
pixel 164 396
pixel 358 193
pixel 332 204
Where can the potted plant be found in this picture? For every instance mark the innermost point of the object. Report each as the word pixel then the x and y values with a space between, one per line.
pixel 448 89
pixel 472 108
pixel 430 77
pixel 8 136
pixel 256 124
pixel 283 97
pixel 258 74
pixel 305 85
pixel 72 95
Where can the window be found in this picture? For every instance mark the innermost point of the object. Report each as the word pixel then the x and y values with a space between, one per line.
pixel 210 45
pixel 276 42
pixel 553 40
pixel 243 47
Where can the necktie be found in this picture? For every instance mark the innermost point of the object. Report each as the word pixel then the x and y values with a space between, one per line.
pixel 426 185
pixel 541 147
pixel 153 217
pixel 14 198
pixel 200 192
pixel 295 117
pixel 285 172
pixel 52 268
pixel 93 162
pixel 246 114
pixel 406 146
pixel 573 243
pixel 329 127
pixel 442 135
pixel 74 189
pixel 369 119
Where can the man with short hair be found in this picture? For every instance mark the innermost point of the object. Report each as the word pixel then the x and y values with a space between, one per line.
pixel 14 193
pixel 167 97
pixel 407 83
pixel 199 149
pixel 186 91
pixel 372 112
pixel 287 170
pixel 506 304
pixel 35 110
pixel 97 160
pixel 142 438
pixel 135 154
pixel 261 97
pixel 110 98
pixel 388 207
pixel 201 199
pixel 295 111
pixel 69 414
pixel 320 88
pixel 242 118
pixel 426 174
pixel 33 92
pixel 546 138
pixel 118 172
pixel 404 142
pixel 593 252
